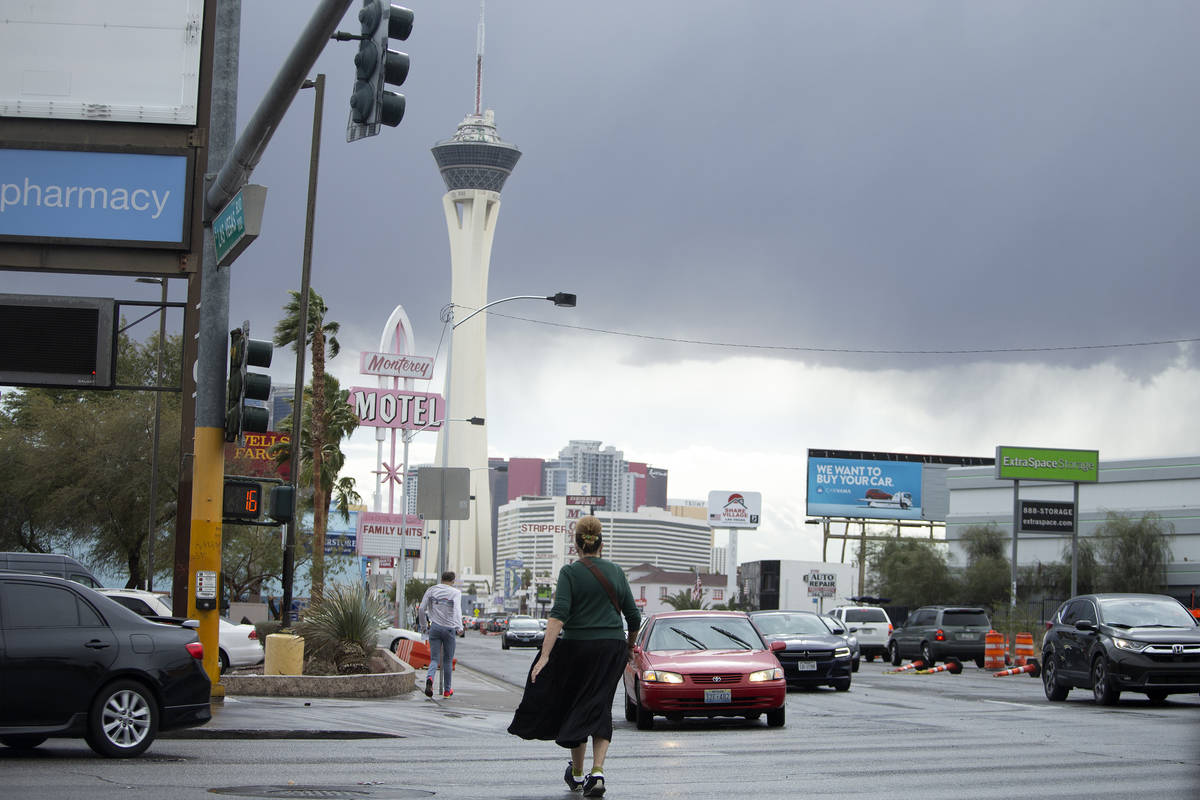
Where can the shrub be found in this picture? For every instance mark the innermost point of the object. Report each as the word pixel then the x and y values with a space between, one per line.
pixel 342 627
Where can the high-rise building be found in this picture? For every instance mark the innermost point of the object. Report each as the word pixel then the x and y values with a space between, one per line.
pixel 474 164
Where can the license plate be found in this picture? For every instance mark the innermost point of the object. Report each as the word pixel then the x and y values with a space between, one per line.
pixel 968 637
pixel 806 666
pixel 718 695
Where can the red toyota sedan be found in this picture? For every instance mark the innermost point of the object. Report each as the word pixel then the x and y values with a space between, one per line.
pixel 703 664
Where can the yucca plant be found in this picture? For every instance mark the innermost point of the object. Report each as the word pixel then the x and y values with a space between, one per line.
pixel 343 626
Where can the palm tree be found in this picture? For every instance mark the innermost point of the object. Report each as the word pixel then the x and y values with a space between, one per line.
pixel 684 600
pixel 321 336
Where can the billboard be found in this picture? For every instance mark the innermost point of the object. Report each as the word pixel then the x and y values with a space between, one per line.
pixel 382 534
pixel 117 61
pixel 851 487
pixel 734 509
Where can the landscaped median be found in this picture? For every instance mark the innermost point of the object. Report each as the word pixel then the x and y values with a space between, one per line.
pixel 389 677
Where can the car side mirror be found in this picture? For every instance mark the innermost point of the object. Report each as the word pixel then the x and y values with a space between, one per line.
pixel 1085 625
pixel 777 645
pixel 854 630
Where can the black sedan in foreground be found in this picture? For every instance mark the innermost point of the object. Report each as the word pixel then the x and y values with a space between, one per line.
pixel 814 656
pixel 1111 643
pixel 74 663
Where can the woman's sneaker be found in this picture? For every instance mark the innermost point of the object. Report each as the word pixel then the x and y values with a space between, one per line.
pixel 593 785
pixel 429 687
pixel 573 783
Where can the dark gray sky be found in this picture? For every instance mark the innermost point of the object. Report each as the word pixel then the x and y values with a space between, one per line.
pixel 891 176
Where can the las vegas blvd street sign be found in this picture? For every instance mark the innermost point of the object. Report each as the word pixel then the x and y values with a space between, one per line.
pixel 238 223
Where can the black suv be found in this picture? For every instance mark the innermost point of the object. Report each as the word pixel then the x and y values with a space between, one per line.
pixel 1111 643
pixel 935 633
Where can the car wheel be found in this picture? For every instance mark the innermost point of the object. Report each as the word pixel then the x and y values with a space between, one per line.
pixel 843 685
pixel 870 657
pixel 894 653
pixel 395 644
pixel 630 709
pixel 980 661
pixel 776 717
pixel 224 659
pixel 854 665
pixel 644 717
pixel 504 643
pixel 927 655
pixel 1102 686
pixel 123 720
pixel 1157 696
pixel 1055 691
pixel 22 742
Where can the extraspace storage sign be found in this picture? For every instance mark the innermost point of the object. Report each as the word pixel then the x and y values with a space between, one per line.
pixel 845 487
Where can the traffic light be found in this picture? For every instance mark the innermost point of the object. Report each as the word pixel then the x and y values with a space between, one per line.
pixel 376 65
pixel 243 385
pixel 283 503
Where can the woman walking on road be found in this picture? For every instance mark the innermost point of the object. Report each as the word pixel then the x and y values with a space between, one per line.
pixel 569 692
pixel 441 610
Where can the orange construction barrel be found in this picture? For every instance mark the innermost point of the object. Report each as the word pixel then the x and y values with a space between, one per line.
pixel 1024 648
pixel 993 650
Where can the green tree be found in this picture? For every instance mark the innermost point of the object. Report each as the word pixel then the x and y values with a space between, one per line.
pixel 987 578
pixel 1134 553
pixel 912 572
pixel 77 464
pixel 684 600
pixel 318 437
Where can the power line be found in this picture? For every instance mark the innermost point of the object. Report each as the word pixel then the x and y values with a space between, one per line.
pixel 850 350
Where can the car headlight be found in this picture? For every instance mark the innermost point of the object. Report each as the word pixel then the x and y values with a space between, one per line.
pixel 1130 645
pixel 774 674
pixel 659 676
pixel 841 652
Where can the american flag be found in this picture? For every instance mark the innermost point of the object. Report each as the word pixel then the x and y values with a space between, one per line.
pixel 697 590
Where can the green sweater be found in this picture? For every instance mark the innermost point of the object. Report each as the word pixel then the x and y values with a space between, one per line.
pixel 584 606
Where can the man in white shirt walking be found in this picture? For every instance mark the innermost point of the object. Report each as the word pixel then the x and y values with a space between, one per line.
pixel 441 613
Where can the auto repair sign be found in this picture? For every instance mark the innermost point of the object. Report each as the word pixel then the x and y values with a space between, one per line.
pixel 734 509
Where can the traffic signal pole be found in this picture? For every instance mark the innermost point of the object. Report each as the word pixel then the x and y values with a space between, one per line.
pixel 238 162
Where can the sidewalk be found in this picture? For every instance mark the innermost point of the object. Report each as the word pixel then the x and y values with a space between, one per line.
pixel 242 717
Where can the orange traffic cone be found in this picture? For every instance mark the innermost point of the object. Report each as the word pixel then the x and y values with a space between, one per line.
pixel 952 665
pixel 918 664
pixel 1031 667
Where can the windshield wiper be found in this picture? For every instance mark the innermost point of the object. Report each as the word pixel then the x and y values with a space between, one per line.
pixel 737 639
pixel 691 639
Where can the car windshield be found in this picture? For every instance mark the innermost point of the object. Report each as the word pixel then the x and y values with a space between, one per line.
pixel 1144 612
pixel 954 619
pixel 524 625
pixel 704 633
pixel 865 615
pixel 793 624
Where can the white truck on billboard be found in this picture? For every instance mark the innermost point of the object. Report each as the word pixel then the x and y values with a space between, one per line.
pixel 877 498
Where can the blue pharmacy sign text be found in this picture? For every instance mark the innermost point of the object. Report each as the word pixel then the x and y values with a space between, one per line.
pixel 134 198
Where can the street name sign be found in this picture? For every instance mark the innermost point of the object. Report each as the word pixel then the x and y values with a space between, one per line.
pixel 238 224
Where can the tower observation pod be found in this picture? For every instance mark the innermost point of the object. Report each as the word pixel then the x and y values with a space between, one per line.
pixel 474 163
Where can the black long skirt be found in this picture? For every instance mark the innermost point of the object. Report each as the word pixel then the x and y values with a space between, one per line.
pixel 573 696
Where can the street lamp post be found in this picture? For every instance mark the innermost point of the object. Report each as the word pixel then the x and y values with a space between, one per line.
pixel 158 380
pixel 561 299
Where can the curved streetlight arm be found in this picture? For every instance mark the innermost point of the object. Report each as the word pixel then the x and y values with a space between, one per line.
pixel 563 299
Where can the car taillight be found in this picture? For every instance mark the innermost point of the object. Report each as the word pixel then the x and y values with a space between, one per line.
pixel 196 649
pixel 890 628
pixel 940 636
pixel 254 635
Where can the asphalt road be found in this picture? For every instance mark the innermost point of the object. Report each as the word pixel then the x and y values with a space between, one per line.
pixel 895 736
